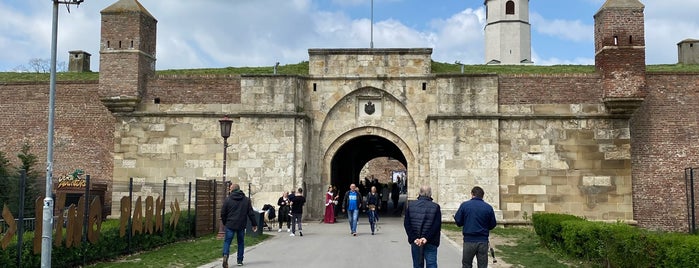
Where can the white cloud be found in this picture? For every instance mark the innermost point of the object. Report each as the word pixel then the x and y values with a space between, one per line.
pixel 571 30
pixel 460 37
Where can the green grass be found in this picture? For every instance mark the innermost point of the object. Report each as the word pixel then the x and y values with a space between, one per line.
pixel 302 69
pixel 190 253
pixel 527 252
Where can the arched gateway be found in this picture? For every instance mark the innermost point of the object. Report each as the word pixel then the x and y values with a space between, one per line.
pixel 554 143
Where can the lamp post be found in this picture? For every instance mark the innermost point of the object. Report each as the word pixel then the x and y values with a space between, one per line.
pixel 226 124
pixel 47 222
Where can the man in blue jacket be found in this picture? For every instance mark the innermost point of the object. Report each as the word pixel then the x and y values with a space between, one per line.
pixel 477 218
pixel 423 222
pixel 236 211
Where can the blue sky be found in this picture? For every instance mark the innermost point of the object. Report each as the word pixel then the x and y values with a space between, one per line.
pixel 221 33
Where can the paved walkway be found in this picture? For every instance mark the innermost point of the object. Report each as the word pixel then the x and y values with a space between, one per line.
pixel 331 245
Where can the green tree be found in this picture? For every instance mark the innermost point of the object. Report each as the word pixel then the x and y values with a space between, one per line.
pixel 6 185
pixel 31 191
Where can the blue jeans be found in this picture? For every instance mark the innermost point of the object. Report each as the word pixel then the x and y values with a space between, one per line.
pixel 353 215
pixel 229 238
pixel 373 218
pixel 425 256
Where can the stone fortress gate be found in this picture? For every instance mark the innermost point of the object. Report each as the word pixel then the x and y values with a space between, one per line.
pixel 531 142
pixel 610 145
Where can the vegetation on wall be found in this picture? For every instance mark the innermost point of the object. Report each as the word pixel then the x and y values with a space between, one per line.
pixel 302 69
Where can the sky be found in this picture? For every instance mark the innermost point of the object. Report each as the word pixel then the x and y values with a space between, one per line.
pixel 222 33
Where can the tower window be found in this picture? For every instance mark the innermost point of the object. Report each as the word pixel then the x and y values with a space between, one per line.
pixel 630 39
pixel 510 8
pixel 616 40
pixel 119 44
pixel 108 44
pixel 131 43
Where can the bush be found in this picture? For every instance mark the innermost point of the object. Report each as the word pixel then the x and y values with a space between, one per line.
pixel 548 227
pixel 616 245
pixel 676 250
pixel 109 246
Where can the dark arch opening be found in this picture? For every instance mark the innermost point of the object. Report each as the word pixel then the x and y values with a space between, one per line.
pixel 510 8
pixel 350 158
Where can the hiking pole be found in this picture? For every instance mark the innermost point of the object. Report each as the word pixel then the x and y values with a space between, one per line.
pixel 492 252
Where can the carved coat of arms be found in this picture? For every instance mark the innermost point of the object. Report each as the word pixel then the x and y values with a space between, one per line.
pixel 369 108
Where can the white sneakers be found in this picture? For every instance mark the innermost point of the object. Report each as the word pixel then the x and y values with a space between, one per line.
pixel 292 234
pixel 280 230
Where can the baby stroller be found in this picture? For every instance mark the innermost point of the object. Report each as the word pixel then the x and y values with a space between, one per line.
pixel 269 215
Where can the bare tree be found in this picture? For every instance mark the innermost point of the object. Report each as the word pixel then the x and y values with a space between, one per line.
pixel 37 65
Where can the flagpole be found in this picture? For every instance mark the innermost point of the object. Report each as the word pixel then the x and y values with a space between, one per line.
pixel 371 45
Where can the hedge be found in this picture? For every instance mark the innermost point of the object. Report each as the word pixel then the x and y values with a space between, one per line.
pixel 548 227
pixel 616 244
pixel 109 245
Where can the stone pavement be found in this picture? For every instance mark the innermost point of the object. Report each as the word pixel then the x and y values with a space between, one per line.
pixel 331 245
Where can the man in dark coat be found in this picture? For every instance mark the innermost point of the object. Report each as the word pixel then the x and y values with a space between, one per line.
pixel 423 223
pixel 236 210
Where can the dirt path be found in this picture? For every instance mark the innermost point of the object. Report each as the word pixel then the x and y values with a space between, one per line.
pixel 455 237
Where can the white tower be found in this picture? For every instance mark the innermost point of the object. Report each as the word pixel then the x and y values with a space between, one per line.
pixel 507 32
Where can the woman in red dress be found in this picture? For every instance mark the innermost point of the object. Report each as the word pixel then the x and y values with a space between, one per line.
pixel 329 208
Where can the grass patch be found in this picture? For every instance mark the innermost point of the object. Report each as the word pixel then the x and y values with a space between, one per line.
pixel 522 249
pixel 302 69
pixel 6 77
pixel 190 253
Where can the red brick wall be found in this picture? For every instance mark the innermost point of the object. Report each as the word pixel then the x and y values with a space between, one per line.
pixel 84 128
pixel 665 135
pixel 189 89
pixel 549 89
pixel 620 51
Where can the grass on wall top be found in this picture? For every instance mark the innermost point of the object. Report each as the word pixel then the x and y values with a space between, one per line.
pixel 302 69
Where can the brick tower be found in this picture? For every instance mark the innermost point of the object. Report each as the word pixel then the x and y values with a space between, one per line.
pixel 620 54
pixel 127 54
pixel 507 32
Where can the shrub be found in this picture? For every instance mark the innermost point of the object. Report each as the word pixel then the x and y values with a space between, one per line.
pixel 676 250
pixel 548 227
pixel 109 246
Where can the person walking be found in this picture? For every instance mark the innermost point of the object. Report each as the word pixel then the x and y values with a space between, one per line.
pixel 373 203
pixel 329 208
pixel 352 203
pixel 395 195
pixel 284 210
pixel 236 210
pixel 477 218
pixel 423 224
pixel 297 212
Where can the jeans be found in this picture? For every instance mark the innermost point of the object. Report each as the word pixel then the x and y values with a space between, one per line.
pixel 425 256
pixel 353 215
pixel 373 218
pixel 229 238
pixel 478 249
pixel 296 220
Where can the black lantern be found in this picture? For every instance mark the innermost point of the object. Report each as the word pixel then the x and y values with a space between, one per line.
pixel 225 127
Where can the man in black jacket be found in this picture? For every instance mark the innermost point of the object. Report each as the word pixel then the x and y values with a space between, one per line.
pixel 236 210
pixel 423 222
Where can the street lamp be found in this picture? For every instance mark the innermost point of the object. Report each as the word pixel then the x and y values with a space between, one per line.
pixel 226 124
pixel 47 222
